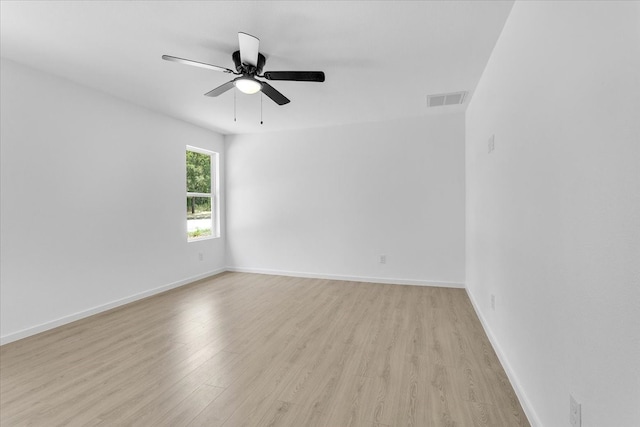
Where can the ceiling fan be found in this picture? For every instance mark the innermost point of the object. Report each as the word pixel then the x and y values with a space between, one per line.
pixel 249 63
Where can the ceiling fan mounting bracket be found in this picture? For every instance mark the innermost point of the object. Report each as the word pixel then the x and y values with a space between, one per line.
pixel 248 68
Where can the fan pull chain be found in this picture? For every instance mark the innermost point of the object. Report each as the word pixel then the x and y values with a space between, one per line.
pixel 261 107
pixel 234 104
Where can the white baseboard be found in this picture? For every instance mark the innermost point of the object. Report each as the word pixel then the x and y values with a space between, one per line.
pixel 24 333
pixel 513 378
pixel 348 278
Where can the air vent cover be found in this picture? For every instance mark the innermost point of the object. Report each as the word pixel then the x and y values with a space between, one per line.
pixel 453 98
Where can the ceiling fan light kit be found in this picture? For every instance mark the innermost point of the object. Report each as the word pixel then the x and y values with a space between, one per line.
pixel 248 85
pixel 249 63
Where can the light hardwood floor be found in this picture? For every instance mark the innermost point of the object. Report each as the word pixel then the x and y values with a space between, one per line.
pixel 254 350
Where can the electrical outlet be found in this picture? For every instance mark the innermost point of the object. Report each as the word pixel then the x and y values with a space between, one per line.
pixel 383 259
pixel 493 302
pixel 492 143
pixel 201 256
pixel 575 412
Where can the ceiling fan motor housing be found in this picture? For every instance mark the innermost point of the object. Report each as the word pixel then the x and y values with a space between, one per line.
pixel 247 68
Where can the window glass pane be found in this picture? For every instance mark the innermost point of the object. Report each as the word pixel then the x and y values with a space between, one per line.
pixel 198 172
pixel 199 222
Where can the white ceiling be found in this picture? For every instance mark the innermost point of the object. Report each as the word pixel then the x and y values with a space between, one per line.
pixel 381 59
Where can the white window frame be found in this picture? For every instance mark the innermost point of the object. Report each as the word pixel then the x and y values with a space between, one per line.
pixel 215 191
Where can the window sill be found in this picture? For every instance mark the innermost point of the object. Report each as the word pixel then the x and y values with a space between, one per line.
pixel 200 239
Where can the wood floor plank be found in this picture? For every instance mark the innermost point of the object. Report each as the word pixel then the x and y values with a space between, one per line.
pixel 349 408
pixel 183 413
pixel 245 349
pixel 276 415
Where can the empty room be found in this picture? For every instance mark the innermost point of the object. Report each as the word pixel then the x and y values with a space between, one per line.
pixel 320 213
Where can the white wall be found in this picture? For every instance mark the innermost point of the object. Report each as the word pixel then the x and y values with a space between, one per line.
pixel 328 202
pixel 553 214
pixel 93 202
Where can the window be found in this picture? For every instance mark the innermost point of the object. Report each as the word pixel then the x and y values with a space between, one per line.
pixel 202 201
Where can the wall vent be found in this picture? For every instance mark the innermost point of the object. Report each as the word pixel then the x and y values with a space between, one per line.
pixel 441 99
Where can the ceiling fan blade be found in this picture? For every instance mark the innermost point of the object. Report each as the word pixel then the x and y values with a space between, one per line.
pixel 248 49
pixel 196 64
pixel 299 76
pixel 272 93
pixel 220 89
